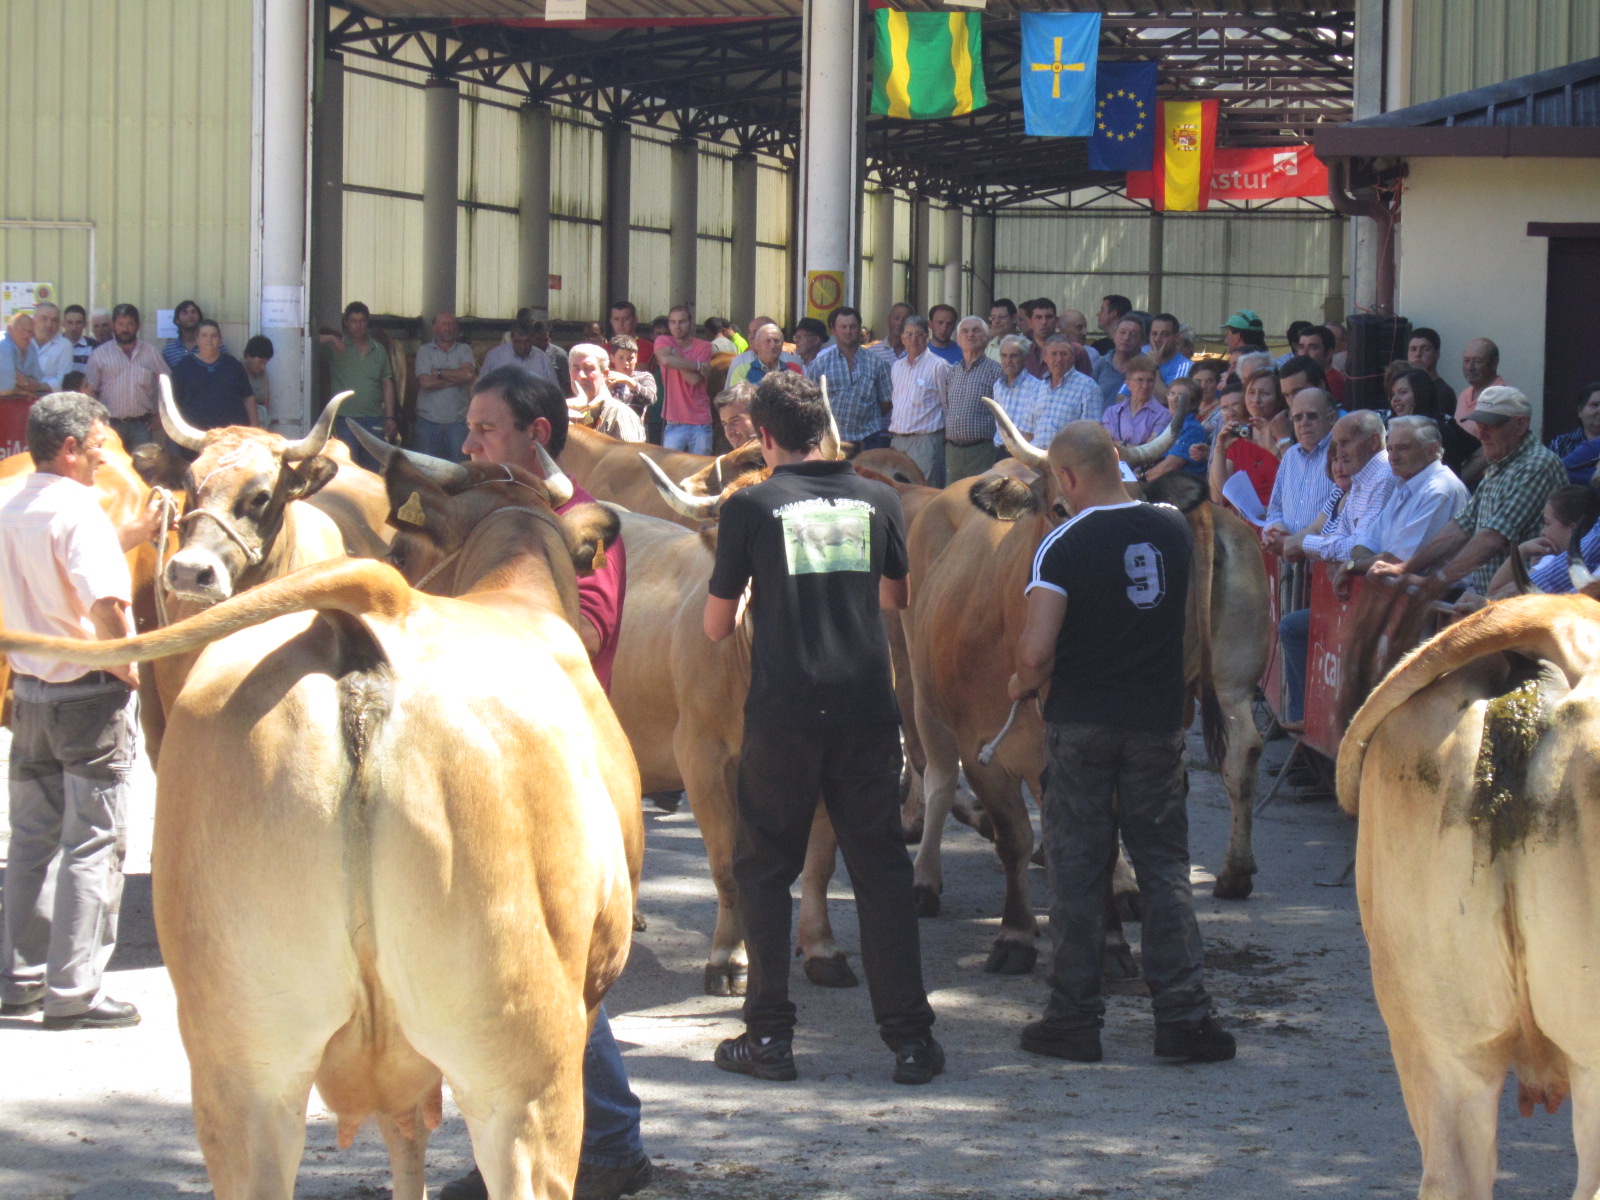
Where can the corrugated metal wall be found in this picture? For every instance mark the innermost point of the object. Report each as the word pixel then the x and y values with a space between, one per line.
pixel 1457 45
pixel 1214 263
pixel 135 115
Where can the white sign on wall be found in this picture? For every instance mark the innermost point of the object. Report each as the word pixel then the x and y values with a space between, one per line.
pixel 24 297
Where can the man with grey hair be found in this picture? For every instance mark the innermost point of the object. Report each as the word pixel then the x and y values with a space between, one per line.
pixel 919 382
pixel 55 351
pixel 100 326
pixel 1426 495
pixel 20 371
pixel 968 424
pixel 74 732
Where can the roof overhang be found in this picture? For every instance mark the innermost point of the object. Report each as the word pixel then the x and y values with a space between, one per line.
pixel 1456 141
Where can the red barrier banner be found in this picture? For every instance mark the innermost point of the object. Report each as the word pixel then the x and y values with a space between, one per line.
pixel 1332 623
pixel 1251 174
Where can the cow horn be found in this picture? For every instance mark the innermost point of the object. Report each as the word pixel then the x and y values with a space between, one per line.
pixel 555 479
pixel 379 449
pixel 311 445
pixel 179 430
pixel 832 450
pixel 1024 451
pixel 702 508
pixel 1156 448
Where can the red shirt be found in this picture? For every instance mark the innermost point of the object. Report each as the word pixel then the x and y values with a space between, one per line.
pixel 1259 464
pixel 1337 385
pixel 686 403
pixel 600 596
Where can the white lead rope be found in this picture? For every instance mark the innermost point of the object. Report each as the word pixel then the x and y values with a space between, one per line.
pixel 987 752
pixel 169 506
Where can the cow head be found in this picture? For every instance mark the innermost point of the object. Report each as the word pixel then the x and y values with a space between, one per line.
pixel 1029 455
pixel 238 486
pixel 440 510
pixel 715 476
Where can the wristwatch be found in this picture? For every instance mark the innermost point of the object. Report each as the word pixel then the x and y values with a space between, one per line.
pixel 1348 566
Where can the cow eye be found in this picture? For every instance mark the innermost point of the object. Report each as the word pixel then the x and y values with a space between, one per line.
pixel 259 500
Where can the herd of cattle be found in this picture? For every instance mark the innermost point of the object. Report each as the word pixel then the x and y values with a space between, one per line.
pixel 398 831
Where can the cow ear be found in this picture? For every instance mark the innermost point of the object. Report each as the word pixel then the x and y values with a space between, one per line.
pixel 158 466
pixel 590 529
pixel 310 476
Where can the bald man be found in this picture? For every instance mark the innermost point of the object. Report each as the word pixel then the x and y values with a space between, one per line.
pixel 1104 627
pixel 20 373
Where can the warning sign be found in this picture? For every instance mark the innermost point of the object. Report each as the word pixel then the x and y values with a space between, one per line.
pixel 824 293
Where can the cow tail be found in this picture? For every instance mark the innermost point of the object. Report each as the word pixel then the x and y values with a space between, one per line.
pixel 1540 626
pixel 1202 577
pixel 359 587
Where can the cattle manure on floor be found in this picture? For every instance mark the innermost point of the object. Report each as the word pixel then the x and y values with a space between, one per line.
pixel 1513 723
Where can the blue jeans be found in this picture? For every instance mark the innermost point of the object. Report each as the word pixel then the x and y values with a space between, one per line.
pixel 441 440
pixel 610 1109
pixel 692 439
pixel 1294 636
pixel 358 452
pixel 134 431
pixel 873 441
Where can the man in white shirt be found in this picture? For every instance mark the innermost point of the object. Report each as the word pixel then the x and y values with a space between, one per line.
pixel 1426 496
pixel 74 320
pixel 74 732
pixel 1302 485
pixel 920 382
pixel 520 352
pixel 55 351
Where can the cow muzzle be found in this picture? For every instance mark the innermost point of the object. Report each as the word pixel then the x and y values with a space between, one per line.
pixel 197 573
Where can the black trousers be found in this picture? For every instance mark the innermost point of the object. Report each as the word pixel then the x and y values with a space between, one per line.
pixel 856 771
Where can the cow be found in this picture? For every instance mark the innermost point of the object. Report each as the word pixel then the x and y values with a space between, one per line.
pixel 398 840
pixel 610 470
pixel 969 567
pixel 1473 771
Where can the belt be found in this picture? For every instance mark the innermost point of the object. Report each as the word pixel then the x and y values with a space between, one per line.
pixel 90 677
pixel 985 441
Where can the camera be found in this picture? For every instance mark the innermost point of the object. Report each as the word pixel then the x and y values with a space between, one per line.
pixel 1243 431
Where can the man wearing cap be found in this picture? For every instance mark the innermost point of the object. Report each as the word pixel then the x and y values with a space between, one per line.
pixel 1505 511
pixel 1243 333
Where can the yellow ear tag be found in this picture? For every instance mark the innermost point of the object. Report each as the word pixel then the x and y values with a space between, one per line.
pixel 598 562
pixel 411 511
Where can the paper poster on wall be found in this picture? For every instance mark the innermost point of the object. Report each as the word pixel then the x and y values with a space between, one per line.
pixel 24 297
pixel 281 307
pixel 565 10
pixel 166 327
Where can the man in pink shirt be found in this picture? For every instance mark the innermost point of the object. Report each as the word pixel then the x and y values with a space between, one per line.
pixel 74 731
pixel 1480 365
pixel 687 408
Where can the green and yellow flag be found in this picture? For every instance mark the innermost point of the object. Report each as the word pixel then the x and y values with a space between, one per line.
pixel 927 65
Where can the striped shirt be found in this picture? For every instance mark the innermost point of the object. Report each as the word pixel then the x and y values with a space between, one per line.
pixel 1075 398
pixel 1370 489
pixel 1510 501
pixel 1551 574
pixel 919 392
pixel 174 352
pixel 1301 486
pixel 857 391
pixel 967 420
pixel 1020 399
pixel 125 383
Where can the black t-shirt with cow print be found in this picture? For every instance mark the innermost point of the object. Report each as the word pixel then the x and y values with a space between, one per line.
pixel 1124 569
pixel 812 541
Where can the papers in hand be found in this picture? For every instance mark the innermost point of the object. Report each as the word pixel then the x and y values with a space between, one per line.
pixel 1241 493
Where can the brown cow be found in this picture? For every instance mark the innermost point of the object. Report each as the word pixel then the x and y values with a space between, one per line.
pixel 398 839
pixel 967 610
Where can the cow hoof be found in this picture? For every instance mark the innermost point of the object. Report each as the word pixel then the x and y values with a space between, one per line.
pixel 912 833
pixel 1118 965
pixel 639 922
pixel 1011 958
pixel 1231 886
pixel 831 972
pixel 725 979
pixel 927 900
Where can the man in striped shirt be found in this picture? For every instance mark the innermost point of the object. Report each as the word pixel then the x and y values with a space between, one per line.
pixel 1064 395
pixel 122 376
pixel 968 423
pixel 858 383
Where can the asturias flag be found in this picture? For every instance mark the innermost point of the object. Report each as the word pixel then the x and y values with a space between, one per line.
pixel 1182 175
pixel 927 65
pixel 1124 137
pixel 1059 51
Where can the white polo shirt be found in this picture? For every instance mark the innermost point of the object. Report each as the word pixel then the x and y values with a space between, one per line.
pixel 918 394
pixel 59 554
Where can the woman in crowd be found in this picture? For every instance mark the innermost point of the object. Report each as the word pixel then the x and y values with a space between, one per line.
pixel 592 403
pixel 1237 448
pixel 1579 449
pixel 1192 447
pixel 1545 556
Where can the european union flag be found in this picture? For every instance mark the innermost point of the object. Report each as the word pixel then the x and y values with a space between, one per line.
pixel 1124 117
pixel 1059 51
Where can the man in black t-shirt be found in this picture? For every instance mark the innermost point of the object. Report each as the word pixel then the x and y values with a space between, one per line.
pixel 823 551
pixel 1105 628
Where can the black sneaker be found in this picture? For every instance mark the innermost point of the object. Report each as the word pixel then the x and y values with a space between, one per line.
pixel 743 1056
pixel 1205 1042
pixel 469 1187
pixel 611 1183
pixel 1076 1045
pixel 918 1061
pixel 108 1014
pixel 22 1008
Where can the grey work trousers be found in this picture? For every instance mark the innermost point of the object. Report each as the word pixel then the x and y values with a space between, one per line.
pixel 1102 779
pixel 72 748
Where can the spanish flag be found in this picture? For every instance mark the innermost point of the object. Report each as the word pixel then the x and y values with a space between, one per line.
pixel 1181 179
pixel 927 65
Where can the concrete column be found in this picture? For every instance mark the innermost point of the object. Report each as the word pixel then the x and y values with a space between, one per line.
pixel 830 132
pixel 744 240
pixel 684 264
pixel 1333 308
pixel 618 211
pixel 955 245
pixel 982 263
pixel 284 104
pixel 917 292
pixel 1370 50
pixel 1158 252
pixel 441 154
pixel 533 211
pixel 327 197
pixel 878 295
